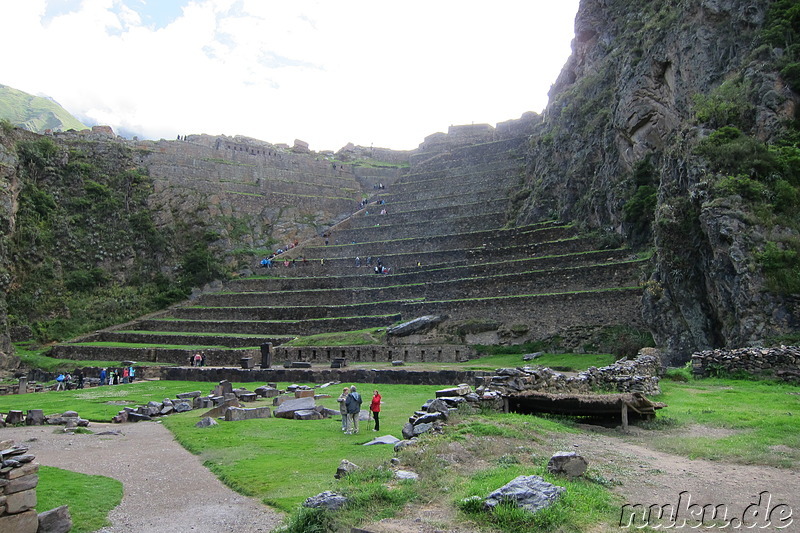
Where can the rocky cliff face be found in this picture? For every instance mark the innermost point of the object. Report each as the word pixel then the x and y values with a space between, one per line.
pixel 624 124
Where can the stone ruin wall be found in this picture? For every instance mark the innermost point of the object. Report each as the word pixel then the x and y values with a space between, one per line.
pixel 375 354
pixel 782 362
pixel 630 375
pixel 19 477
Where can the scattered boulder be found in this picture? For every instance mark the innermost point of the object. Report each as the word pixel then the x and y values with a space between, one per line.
pixel 206 422
pixel 182 407
pixel 568 463
pixel 266 391
pixel 345 467
pixel 529 492
pixel 327 500
pixel 406 474
pixel 419 429
pixel 56 520
pixel 405 444
pixel 189 395
pixel 437 406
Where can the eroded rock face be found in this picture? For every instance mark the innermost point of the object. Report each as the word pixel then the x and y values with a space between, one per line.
pixel 626 95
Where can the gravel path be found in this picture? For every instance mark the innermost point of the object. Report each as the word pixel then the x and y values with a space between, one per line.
pixel 166 489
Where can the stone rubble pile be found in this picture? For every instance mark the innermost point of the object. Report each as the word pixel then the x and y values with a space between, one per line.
pixel 18 480
pixel 637 375
pixel 782 362
pixel 435 412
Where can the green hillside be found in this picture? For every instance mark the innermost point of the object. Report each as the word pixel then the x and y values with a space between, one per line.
pixel 35 113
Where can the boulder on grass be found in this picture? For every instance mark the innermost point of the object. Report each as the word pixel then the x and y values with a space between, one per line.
pixel 568 463
pixel 55 520
pixel 532 493
pixel 206 422
pixel 345 467
pixel 327 500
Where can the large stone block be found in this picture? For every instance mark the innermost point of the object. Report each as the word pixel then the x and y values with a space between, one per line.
pixel 56 520
pixel 20 501
pixel 21 484
pixel 288 408
pixel 24 470
pixel 303 393
pixel 27 522
pixel 35 417
pixel 308 414
pixel 238 413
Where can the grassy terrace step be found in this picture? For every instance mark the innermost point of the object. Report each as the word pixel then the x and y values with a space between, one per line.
pixel 501 171
pixel 454 198
pixel 415 214
pixel 503 178
pixel 620 305
pixel 355 277
pixel 153 353
pixel 269 328
pixel 535 281
pixel 182 339
pixel 407 261
pixel 492 187
pixel 384 228
pixel 290 312
pixel 489 239
pixel 244 173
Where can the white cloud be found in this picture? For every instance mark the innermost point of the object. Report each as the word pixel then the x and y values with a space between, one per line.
pixel 382 73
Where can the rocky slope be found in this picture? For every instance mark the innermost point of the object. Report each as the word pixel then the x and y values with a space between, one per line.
pixel 621 144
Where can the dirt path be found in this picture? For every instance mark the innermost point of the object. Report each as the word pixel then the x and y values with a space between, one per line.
pixel 166 489
pixel 650 477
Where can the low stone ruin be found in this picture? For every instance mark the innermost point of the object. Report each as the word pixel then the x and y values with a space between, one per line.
pixel 36 417
pixel 18 480
pixel 782 362
pixel 637 375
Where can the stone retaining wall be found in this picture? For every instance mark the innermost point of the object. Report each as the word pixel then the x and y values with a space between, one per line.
pixel 378 353
pixel 293 375
pixel 782 362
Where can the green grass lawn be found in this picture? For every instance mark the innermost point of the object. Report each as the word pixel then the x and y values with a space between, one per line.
pixel 283 461
pixel 90 498
pixel 95 403
pixel 750 421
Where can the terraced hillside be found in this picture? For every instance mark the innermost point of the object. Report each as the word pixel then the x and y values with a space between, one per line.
pixel 444 239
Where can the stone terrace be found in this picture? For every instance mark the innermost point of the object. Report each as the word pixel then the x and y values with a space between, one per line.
pixel 445 238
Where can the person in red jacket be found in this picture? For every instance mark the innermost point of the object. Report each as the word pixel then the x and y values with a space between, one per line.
pixel 375 407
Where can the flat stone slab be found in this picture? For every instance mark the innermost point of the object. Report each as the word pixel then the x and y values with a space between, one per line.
pixel 288 407
pixel 386 439
pixel 187 395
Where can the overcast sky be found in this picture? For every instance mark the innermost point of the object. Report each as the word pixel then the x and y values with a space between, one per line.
pixel 382 73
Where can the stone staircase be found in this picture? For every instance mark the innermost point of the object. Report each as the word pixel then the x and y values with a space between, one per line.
pixel 450 252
